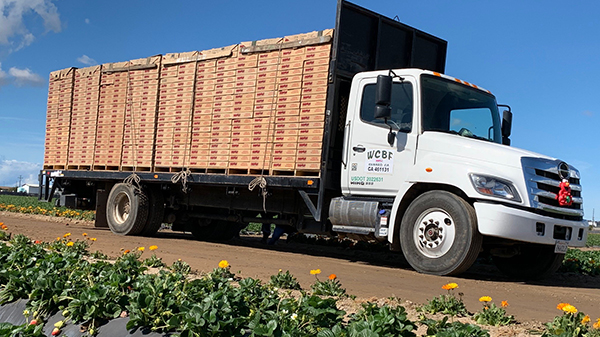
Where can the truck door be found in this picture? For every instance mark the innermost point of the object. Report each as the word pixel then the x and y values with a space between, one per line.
pixel 373 166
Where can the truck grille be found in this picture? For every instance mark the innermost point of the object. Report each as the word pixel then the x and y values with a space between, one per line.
pixel 542 178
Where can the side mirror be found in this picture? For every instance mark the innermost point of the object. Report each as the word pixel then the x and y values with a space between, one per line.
pixel 383 97
pixel 506 126
pixel 391 138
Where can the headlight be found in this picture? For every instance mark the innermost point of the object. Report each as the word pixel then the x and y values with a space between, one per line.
pixel 494 187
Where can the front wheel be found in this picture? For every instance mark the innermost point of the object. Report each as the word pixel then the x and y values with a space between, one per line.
pixel 439 234
pixel 532 262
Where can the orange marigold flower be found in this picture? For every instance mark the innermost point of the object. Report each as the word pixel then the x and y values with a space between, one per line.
pixel 332 277
pixel 485 299
pixel 223 264
pixel 569 308
pixel 560 306
pixel 84 234
pixel 504 304
pixel 597 324
pixel 315 271
pixel 127 251
pixel 450 286
pixel 585 319
pixel 67 235
pixel 153 247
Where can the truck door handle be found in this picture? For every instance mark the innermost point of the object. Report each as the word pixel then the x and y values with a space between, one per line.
pixel 359 149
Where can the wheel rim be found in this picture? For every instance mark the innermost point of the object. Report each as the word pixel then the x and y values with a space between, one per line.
pixel 122 208
pixel 434 233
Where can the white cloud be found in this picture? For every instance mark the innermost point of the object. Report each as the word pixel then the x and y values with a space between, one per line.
pixel 3 76
pixel 20 77
pixel 87 60
pixel 10 170
pixel 87 21
pixel 13 31
pixel 25 77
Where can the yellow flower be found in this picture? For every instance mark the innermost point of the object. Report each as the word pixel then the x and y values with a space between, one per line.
pixel 569 308
pixel 70 243
pixel 141 249
pixel 585 319
pixel 504 304
pixel 485 299
pixel 84 234
pixel 93 239
pixel 67 235
pixel 315 271
pixel 153 247
pixel 597 324
pixel 450 286
pixel 223 264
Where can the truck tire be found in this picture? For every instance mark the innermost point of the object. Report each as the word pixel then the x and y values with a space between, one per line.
pixel 439 235
pixel 156 212
pixel 126 209
pixel 533 263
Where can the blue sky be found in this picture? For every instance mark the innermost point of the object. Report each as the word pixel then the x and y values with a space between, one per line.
pixel 542 59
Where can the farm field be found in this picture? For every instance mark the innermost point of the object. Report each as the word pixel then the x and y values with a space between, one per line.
pixel 365 275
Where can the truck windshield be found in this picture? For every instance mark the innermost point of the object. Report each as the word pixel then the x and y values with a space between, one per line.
pixel 455 108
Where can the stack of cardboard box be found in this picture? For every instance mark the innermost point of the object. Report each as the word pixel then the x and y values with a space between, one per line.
pixel 140 115
pixel 174 125
pixel 111 116
pixel 58 118
pixel 84 118
pixel 202 116
pixel 253 108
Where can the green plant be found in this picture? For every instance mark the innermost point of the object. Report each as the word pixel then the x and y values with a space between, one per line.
pixel 593 240
pixel 582 262
pixel 99 255
pixel 180 266
pixel 381 321
pixel 490 314
pixel 447 304
pixel 571 323
pixel 329 287
pixel 25 330
pixel 30 205
pixel 454 329
pixel 154 262
pixel 285 281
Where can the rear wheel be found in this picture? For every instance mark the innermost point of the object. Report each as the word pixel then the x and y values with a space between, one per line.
pixel 126 209
pixel 439 234
pixel 156 212
pixel 531 263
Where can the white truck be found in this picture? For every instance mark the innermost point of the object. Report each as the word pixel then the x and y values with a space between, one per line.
pixel 409 156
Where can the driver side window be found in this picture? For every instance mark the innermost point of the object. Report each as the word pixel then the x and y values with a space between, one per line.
pixel 402 106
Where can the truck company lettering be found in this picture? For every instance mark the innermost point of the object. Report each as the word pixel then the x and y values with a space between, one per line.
pixel 380 162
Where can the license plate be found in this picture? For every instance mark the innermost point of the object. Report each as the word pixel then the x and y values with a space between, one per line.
pixel 561 247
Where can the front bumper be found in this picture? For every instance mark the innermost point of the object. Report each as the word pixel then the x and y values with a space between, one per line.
pixel 520 225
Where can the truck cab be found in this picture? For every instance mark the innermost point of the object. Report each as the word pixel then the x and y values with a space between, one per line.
pixel 445 183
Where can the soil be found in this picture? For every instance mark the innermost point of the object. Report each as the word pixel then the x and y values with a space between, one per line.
pixel 370 276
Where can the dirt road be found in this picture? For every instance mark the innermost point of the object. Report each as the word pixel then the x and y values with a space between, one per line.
pixel 362 273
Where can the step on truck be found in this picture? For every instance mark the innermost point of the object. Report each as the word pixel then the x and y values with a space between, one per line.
pixel 353 131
